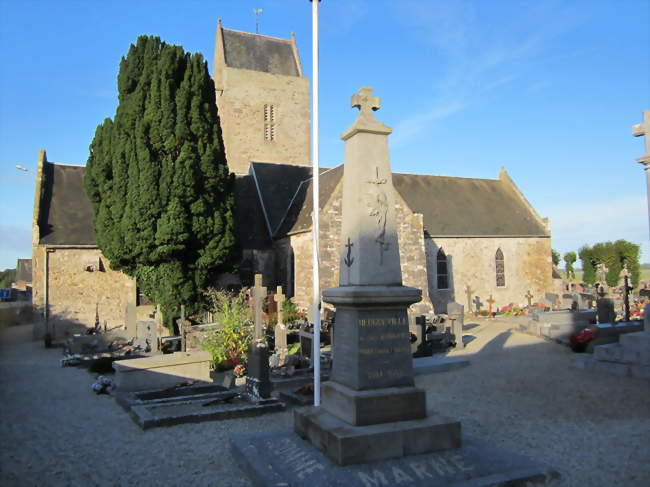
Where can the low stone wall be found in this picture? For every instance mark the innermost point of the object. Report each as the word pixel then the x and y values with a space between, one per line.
pixel 15 313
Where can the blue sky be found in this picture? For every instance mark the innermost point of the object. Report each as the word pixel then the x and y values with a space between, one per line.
pixel 549 89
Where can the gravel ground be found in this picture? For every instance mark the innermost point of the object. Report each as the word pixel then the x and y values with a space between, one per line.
pixel 518 393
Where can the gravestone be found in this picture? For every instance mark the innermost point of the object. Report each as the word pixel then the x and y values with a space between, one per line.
pixel 280 332
pixel 490 302
pixel 147 336
pixel 371 409
pixel 529 298
pixel 477 305
pixel 605 310
pixel 468 292
pixel 258 383
pixel 587 299
pixel 130 319
pixel 372 417
pixel 456 313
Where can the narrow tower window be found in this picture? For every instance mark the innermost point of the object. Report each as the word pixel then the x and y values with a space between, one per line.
pixel 269 122
pixel 500 268
pixel 441 270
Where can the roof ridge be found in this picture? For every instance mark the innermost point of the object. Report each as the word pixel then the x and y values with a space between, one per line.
pixel 443 176
pixel 257 35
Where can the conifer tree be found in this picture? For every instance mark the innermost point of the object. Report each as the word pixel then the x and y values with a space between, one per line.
pixel 157 177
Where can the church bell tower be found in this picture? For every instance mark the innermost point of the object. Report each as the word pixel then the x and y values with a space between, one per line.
pixel 263 99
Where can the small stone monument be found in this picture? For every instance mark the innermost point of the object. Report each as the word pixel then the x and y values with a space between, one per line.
pixel 456 313
pixel 490 301
pixel 280 332
pixel 477 305
pixel 371 409
pixel 468 292
pixel 529 298
pixel 258 383
pixel 605 309
pixel 130 320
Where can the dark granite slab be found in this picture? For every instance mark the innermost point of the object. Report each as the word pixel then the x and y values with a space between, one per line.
pixel 283 459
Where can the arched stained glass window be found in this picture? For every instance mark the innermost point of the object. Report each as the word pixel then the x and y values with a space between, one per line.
pixel 442 270
pixel 501 269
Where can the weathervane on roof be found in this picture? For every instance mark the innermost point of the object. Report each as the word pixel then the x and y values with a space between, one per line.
pixel 257 12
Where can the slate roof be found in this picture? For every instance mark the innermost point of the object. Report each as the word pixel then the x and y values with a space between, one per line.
pixel 450 206
pixel 24 270
pixel 454 206
pixel 250 225
pixel 259 53
pixel 65 214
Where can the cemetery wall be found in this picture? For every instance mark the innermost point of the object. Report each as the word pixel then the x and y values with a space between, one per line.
pixel 471 261
pixel 241 110
pixel 80 283
pixel 410 233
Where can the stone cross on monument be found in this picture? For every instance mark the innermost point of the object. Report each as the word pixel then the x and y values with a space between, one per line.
pixel 370 407
pixel 258 294
pixel 638 130
pixel 529 297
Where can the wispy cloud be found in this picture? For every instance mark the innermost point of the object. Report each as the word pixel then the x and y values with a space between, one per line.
pixel 599 221
pixel 477 55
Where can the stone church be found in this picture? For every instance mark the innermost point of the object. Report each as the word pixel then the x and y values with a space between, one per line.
pixel 459 238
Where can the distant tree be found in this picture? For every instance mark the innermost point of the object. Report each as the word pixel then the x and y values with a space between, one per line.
pixel 613 256
pixel 7 277
pixel 157 177
pixel 555 255
pixel 569 259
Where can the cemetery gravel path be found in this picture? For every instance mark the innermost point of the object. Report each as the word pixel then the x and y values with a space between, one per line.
pixel 517 393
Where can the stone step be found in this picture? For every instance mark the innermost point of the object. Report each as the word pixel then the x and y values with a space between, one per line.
pixel 588 362
pixel 612 352
pixel 638 341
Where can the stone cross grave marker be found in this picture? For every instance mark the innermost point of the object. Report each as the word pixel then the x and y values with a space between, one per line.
pixel 477 305
pixel 259 295
pixel 258 383
pixel 490 302
pixel 281 348
pixel 529 297
pixel 469 291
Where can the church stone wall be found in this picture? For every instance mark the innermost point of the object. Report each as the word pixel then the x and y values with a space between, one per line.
pixel 410 234
pixel 241 110
pixel 75 294
pixel 527 263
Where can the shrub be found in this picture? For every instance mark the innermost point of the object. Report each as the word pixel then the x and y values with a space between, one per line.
pixel 228 344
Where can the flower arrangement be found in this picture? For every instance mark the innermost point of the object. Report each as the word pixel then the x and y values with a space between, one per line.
pixel 239 370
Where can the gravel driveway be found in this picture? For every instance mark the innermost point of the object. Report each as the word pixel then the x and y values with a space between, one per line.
pixel 518 393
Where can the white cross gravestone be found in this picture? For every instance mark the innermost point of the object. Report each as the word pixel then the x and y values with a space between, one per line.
pixel 258 293
pixel 280 332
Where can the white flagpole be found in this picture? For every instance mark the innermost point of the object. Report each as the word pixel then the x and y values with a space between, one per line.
pixel 315 205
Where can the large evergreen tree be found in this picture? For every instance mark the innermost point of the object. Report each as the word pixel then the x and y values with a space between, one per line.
pixel 158 180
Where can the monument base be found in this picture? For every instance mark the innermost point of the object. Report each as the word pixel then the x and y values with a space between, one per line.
pixel 282 458
pixel 345 444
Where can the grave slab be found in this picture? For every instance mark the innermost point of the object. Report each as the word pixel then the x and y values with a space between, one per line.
pixel 162 371
pixel 437 363
pixel 197 411
pixel 283 459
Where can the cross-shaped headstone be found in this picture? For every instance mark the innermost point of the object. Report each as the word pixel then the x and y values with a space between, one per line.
pixel 477 304
pixel 490 302
pixel 259 295
pixel 280 298
pixel 529 297
pixel 468 292
pixel 365 102
pixel 643 129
